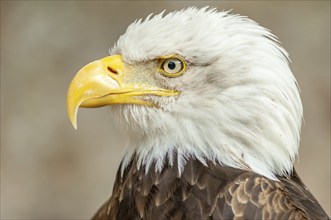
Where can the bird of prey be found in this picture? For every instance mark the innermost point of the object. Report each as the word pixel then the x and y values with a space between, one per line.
pixel 212 114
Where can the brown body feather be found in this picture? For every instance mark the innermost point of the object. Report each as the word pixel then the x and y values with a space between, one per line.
pixel 207 192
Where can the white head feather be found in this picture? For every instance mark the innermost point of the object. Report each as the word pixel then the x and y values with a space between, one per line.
pixel 239 103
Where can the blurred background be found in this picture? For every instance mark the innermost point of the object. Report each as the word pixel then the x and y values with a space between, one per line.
pixel 51 171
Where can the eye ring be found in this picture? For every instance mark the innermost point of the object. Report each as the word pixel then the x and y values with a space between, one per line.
pixel 173 66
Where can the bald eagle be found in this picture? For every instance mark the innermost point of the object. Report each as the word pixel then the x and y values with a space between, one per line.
pixel 212 114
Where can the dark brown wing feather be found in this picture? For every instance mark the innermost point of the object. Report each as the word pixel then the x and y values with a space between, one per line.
pixel 207 192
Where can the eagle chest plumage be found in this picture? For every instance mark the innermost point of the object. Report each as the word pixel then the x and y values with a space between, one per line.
pixel 206 192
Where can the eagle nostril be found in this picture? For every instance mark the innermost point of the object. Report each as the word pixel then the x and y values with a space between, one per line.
pixel 112 70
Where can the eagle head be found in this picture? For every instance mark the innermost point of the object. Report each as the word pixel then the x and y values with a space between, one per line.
pixel 199 83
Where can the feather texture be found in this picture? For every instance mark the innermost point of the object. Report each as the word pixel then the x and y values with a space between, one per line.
pixel 206 192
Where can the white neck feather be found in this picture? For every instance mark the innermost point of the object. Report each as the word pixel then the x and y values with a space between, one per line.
pixel 239 104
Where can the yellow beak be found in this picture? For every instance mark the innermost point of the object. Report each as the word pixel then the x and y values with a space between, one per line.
pixel 103 82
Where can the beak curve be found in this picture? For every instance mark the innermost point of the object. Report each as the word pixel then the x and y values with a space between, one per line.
pixel 100 83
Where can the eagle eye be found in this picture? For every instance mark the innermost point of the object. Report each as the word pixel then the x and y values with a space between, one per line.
pixel 172 66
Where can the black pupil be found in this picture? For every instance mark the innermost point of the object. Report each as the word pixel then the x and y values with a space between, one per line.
pixel 171 65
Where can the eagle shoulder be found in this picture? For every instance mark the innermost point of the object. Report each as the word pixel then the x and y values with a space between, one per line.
pixel 206 192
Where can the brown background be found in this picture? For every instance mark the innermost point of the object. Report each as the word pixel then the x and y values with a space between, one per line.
pixel 49 170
